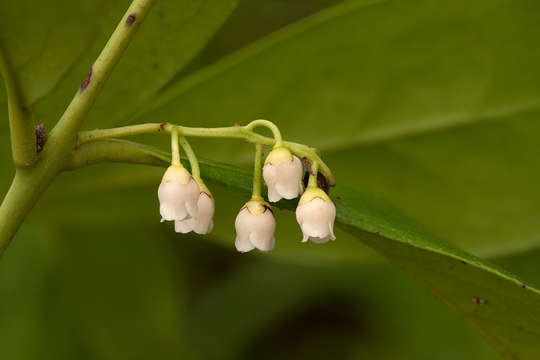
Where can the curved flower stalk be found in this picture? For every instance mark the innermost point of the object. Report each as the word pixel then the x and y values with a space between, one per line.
pixel 178 192
pixel 255 223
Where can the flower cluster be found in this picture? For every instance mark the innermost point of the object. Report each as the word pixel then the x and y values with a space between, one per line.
pixel 186 200
pixel 282 173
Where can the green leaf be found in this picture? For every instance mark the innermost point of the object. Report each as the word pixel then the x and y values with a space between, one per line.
pixel 497 304
pixel 52 45
pixel 431 106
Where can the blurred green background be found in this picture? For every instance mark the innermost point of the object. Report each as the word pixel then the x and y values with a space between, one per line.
pixel 431 106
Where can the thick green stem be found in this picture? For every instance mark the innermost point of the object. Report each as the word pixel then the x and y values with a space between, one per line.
pixel 29 183
pixel 21 126
pixel 72 119
pixel 257 169
pixel 23 194
pixel 195 171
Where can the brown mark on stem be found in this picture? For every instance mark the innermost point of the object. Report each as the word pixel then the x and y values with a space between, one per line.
pixel 86 80
pixel 41 137
pixel 131 19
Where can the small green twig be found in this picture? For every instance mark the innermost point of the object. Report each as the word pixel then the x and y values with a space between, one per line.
pixel 313 176
pixel 257 169
pixel 175 151
pixel 195 171
pixel 270 125
pixel 23 136
pixel 232 132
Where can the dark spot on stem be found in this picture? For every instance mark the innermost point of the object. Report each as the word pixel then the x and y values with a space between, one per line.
pixel 131 19
pixel 479 301
pixel 86 80
pixel 463 262
pixel 41 137
pixel 524 286
pixel 162 126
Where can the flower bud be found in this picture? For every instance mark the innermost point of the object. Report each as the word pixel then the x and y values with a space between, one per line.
pixel 315 215
pixel 204 222
pixel 282 174
pixel 255 226
pixel 178 194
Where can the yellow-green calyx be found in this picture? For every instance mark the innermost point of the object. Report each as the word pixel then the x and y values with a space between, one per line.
pixel 311 193
pixel 256 207
pixel 278 155
pixel 177 173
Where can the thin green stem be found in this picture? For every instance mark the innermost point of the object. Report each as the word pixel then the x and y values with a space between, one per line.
pixel 257 170
pixel 23 136
pixel 175 151
pixel 232 132
pixel 270 125
pixel 131 130
pixel 195 171
pixel 313 176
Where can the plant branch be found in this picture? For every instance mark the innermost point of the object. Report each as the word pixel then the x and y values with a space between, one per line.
pixel 72 119
pixel 232 132
pixel 23 135
pixel 30 182
pixel 122 151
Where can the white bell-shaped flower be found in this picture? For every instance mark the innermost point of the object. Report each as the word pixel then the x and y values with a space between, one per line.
pixel 282 173
pixel 315 215
pixel 178 194
pixel 255 226
pixel 204 221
